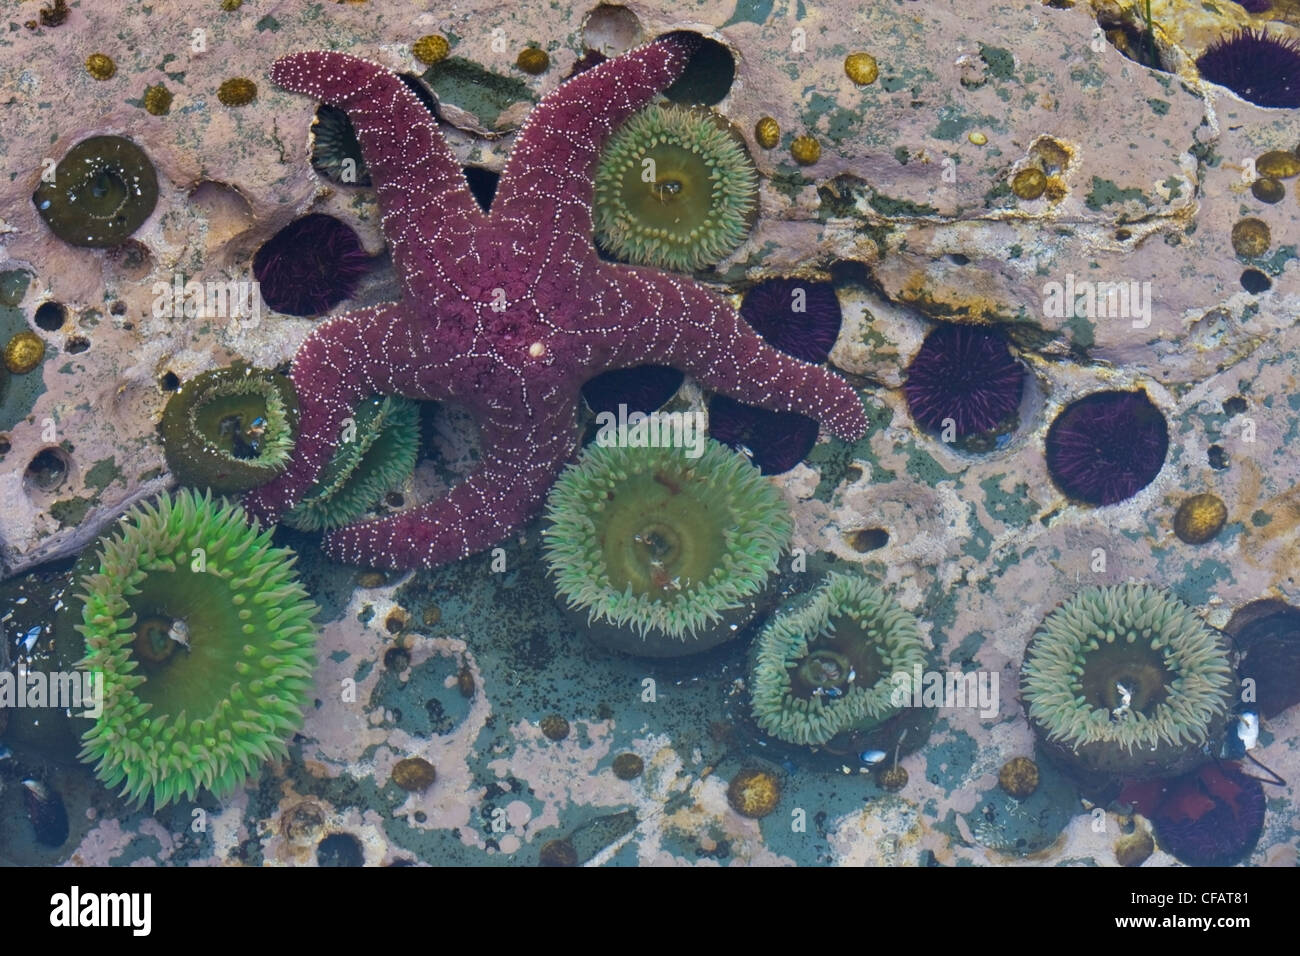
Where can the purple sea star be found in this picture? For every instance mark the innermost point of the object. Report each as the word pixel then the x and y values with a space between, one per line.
pixel 508 314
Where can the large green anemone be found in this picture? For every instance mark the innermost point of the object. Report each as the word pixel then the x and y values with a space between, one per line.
pixel 833 665
pixel 204 641
pixel 666 551
pixel 675 189
pixel 1127 680
pixel 230 429
pixel 379 455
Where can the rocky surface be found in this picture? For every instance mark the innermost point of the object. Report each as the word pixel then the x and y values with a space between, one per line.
pixel 909 210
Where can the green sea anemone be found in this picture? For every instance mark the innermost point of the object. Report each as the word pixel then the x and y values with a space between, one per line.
pixel 102 190
pixel 204 641
pixel 380 456
pixel 1127 680
pixel 832 665
pixel 335 151
pixel 665 553
pixel 675 189
pixel 230 429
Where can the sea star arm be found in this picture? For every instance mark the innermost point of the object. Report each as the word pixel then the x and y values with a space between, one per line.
pixel 520 462
pixel 382 350
pixel 426 203
pixel 668 320
pixel 553 162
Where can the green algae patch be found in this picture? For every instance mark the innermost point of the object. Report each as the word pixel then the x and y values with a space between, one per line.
pixel 13 286
pixel 1104 193
pixel 951 124
pixel 1015 508
pixel 833 459
pixel 922 466
pixel 102 474
pixel 1199 581
pixel 751 11
pixel 896 208
pixel 1000 61
pixel 1082 332
pixel 1275 264
pixel 19 393
pixel 841 123
pixel 788 180
pixel 71 511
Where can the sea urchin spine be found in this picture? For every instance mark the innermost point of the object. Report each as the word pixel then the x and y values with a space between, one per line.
pixel 797 316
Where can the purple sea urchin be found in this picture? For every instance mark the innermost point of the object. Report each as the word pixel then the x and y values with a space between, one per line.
pixel 204 641
pixel 642 388
pixel 1127 680
pixel 774 441
pixel 1212 816
pixel 1107 446
pixel 1258 66
pixel 1267 634
pixel 966 374
pixel 799 317
pixel 310 266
